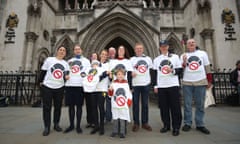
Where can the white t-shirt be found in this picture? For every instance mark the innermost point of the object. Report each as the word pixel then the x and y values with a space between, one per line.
pixel 141 66
pixel 102 86
pixel 119 100
pixel 165 79
pixel 77 67
pixel 195 70
pixel 91 80
pixel 56 70
pixel 124 63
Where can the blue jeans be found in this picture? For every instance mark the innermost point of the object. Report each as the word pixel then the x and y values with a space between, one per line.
pixel 144 92
pixel 198 92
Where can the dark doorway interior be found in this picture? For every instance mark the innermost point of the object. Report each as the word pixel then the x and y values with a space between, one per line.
pixel 120 41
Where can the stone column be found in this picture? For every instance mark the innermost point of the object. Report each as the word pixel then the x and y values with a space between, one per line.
pixel 160 4
pixel 31 37
pixel 67 6
pixel 170 4
pixel 208 43
pixel 76 4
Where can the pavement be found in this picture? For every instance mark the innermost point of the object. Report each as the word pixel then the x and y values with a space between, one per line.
pixel 23 125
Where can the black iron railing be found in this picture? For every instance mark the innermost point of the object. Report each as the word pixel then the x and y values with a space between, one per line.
pixel 222 87
pixel 20 87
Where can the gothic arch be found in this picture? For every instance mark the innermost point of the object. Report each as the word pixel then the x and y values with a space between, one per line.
pixel 174 44
pixel 105 29
pixel 67 43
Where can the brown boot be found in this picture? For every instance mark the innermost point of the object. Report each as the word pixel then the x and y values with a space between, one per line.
pixel 135 128
pixel 147 127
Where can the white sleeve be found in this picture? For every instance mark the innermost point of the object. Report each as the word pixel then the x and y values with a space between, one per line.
pixel 86 65
pixel 155 64
pixel 67 67
pixel 129 66
pixel 45 65
pixel 205 59
pixel 150 63
pixel 178 62
pixel 181 58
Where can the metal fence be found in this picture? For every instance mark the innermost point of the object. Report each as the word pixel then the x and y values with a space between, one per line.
pixel 21 88
pixel 222 88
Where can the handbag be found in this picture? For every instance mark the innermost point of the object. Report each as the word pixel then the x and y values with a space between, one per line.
pixel 209 99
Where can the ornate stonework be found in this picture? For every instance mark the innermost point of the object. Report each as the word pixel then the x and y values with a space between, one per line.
pixel 31 36
pixel 207 33
pixel 34 9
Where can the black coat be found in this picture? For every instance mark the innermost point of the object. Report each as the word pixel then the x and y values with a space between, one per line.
pixel 234 77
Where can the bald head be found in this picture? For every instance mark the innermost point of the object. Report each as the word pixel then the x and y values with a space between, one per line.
pixel 112 52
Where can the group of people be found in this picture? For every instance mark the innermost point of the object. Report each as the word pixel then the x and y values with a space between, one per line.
pixel 123 82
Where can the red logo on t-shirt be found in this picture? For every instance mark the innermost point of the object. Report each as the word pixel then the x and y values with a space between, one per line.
pixel 120 101
pixel 165 69
pixel 193 65
pixel 90 78
pixel 57 74
pixel 75 69
pixel 142 68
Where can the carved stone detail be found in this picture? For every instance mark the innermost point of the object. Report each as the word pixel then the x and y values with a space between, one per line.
pixel 34 9
pixel 207 33
pixel 31 36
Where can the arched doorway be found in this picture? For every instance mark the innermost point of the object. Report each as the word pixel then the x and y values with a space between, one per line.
pixel 114 29
pixel 116 42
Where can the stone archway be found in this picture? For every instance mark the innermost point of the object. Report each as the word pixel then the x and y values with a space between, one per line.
pixel 105 30
pixel 120 41
pixel 174 44
pixel 67 43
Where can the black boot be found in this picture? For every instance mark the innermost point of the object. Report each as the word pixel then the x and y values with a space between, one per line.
pixel 101 131
pixel 46 131
pixel 69 129
pixel 79 130
pixel 57 128
pixel 94 130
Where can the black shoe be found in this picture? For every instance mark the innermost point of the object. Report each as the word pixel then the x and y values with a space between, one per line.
pixel 101 132
pixel 164 129
pixel 79 130
pixel 90 126
pixel 175 132
pixel 122 135
pixel 186 128
pixel 203 130
pixel 68 129
pixel 57 128
pixel 94 130
pixel 46 132
pixel 113 134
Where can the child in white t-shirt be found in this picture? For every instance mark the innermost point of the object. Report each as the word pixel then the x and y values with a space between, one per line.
pixel 121 99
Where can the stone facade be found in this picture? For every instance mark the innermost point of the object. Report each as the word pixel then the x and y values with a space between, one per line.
pixel 44 25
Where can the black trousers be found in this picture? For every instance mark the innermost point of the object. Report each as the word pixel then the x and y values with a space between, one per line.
pixel 50 96
pixel 169 104
pixel 98 100
pixel 88 101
